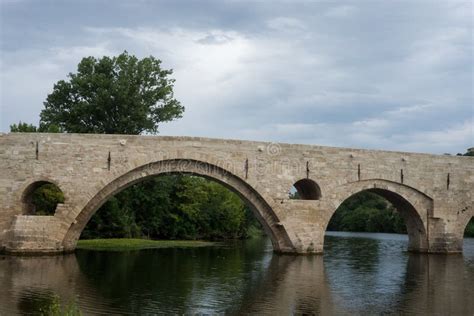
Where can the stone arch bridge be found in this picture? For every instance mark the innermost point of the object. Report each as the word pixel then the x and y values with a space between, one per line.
pixel 433 193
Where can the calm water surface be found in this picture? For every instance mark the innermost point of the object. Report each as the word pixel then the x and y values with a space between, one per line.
pixel 358 274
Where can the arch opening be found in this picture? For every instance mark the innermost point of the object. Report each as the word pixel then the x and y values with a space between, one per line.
pixel 174 207
pixel 376 210
pixel 469 230
pixel 305 189
pixel 41 198
pixel 259 206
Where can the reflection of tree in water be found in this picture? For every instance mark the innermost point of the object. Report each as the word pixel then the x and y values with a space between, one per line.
pixel 37 300
pixel 364 273
pixel 195 280
pixel 173 280
pixel 354 253
pixel 437 284
pixel 291 285
pixel 122 276
pixel 32 284
pixel 242 280
pixel 232 279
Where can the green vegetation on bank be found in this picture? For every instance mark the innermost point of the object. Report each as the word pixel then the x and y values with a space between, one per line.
pixel 175 207
pixel 124 244
pixel 367 212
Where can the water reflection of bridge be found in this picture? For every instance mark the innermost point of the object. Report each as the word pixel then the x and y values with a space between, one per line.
pixel 425 284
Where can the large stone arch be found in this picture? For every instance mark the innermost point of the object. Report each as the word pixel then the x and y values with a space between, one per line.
pixel 414 206
pixel 262 209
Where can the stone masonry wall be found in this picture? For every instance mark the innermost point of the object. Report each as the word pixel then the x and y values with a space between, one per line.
pixel 436 191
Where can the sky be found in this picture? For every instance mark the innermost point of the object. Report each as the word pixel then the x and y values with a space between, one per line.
pixel 393 75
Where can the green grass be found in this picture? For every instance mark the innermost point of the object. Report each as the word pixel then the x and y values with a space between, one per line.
pixel 123 244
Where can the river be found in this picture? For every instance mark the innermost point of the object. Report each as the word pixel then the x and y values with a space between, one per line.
pixel 360 273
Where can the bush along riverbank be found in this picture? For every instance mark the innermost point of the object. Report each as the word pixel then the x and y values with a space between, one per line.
pixel 173 207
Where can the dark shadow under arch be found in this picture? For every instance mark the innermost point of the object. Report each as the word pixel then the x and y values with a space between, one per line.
pixel 257 203
pixel 468 230
pixel 415 212
pixel 307 189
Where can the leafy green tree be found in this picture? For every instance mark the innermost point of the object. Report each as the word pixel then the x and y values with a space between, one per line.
pixel 23 128
pixel 30 128
pixel 51 128
pixel 215 212
pixel 116 220
pixel 113 95
pixel 470 153
pixel 367 212
pixel 181 207
pixel 46 198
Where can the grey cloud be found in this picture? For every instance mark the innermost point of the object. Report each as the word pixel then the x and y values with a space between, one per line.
pixel 394 75
pixel 214 39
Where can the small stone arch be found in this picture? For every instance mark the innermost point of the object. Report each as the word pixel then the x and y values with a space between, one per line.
pixel 261 208
pixel 307 189
pixel 414 206
pixel 28 206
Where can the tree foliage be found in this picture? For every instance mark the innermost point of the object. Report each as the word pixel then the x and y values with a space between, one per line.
pixel 468 153
pixel 45 199
pixel 181 207
pixel 30 128
pixel 367 212
pixel 23 128
pixel 113 95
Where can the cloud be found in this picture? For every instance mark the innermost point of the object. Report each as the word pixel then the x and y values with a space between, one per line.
pixel 321 73
pixel 342 11
pixel 285 24
pixel 452 139
pixel 27 78
pixel 215 39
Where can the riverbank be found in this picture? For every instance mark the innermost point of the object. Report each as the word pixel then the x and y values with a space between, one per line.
pixel 124 244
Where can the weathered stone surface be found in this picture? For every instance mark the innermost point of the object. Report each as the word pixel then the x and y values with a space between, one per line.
pixel 433 193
